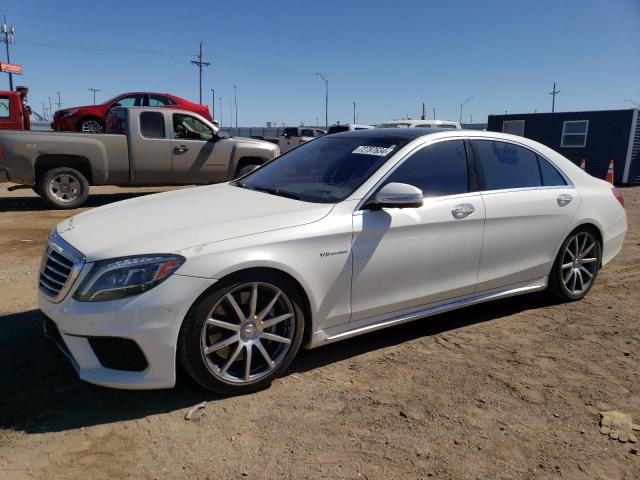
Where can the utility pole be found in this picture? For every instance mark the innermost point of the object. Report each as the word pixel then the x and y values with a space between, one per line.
pixel 424 112
pixel 354 113
pixel 59 102
pixel 220 100
pixel 462 106
pixel 94 90
pixel 7 38
pixel 50 107
pixel 434 112
pixel 553 94
pixel 199 63
pixel 213 103
pixel 471 118
pixel 231 114
pixel 235 102
pixel 326 98
pixel 44 111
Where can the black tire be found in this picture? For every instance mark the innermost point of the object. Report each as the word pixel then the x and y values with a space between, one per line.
pixel 91 125
pixel 77 186
pixel 563 290
pixel 193 336
pixel 242 171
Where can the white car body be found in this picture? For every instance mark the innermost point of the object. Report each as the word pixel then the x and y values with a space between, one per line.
pixel 357 272
pixel 420 124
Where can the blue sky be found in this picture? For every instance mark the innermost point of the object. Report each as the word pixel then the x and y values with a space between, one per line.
pixel 388 57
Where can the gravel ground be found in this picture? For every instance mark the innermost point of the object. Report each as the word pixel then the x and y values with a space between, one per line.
pixel 510 389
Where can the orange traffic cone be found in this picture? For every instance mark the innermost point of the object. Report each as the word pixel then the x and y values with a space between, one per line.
pixel 609 177
pixel 583 164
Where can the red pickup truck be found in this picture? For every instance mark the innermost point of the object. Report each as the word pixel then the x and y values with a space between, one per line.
pixel 14 111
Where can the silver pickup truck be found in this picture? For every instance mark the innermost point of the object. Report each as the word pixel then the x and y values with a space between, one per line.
pixel 143 146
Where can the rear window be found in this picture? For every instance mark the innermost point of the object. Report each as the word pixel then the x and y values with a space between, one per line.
pixel 152 125
pixel 5 103
pixel 338 129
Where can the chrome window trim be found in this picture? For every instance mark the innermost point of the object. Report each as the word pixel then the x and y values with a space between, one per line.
pixel 62 247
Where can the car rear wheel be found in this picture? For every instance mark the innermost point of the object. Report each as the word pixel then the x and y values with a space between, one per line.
pixel 242 335
pixel 91 125
pixel 63 188
pixel 576 266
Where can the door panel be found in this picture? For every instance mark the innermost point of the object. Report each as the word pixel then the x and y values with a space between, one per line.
pixel 404 258
pixel 522 233
pixel 150 149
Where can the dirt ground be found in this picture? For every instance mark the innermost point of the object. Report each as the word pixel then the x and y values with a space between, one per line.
pixel 510 389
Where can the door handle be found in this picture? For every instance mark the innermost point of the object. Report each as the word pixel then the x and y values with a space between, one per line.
pixel 463 210
pixel 181 149
pixel 564 199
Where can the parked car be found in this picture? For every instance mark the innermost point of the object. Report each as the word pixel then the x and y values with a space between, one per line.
pixel 294 136
pixel 145 146
pixel 15 114
pixel 420 124
pixel 348 234
pixel 92 118
pixel 347 128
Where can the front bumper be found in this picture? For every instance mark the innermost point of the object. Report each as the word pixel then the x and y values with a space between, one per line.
pixel 152 320
pixel 64 124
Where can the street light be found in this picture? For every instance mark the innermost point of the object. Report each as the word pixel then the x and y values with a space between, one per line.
pixel 213 103
pixel 633 102
pixel 235 101
pixel 462 106
pixel 326 98
pixel 94 90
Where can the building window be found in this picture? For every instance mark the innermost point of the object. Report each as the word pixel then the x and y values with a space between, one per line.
pixel 574 133
pixel 514 127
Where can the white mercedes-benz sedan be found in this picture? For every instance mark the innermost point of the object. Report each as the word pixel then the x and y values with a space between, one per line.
pixel 345 235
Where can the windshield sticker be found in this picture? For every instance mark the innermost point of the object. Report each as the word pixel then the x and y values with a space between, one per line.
pixel 379 151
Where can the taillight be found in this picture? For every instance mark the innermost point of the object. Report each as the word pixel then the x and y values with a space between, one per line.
pixel 618 194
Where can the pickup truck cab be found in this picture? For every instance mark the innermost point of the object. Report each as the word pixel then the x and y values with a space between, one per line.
pixel 14 111
pixel 294 136
pixel 144 146
pixel 421 124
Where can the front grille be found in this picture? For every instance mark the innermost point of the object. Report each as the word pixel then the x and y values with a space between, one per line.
pixel 61 264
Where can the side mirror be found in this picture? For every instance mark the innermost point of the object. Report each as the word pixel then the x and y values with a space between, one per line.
pixel 222 135
pixel 396 195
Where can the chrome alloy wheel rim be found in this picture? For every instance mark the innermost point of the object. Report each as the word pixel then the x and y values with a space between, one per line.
pixel 247 333
pixel 91 126
pixel 579 263
pixel 65 188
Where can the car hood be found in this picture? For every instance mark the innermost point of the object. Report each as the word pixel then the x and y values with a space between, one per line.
pixel 181 219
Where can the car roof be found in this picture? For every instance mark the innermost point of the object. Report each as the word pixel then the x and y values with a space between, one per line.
pixel 390 133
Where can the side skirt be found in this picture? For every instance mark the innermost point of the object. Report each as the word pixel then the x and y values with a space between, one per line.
pixel 348 330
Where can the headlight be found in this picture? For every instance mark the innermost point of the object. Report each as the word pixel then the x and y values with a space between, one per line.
pixel 122 277
pixel 68 113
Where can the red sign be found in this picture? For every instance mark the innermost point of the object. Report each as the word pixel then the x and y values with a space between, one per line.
pixel 11 68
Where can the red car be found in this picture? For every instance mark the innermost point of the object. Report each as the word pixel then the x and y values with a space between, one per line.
pixel 92 118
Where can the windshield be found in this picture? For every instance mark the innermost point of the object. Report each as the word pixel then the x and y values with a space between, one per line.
pixel 327 170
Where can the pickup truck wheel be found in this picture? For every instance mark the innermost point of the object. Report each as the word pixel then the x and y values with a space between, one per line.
pixel 243 334
pixel 63 188
pixel 242 171
pixel 91 125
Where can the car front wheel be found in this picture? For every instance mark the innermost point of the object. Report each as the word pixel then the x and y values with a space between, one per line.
pixel 576 266
pixel 242 335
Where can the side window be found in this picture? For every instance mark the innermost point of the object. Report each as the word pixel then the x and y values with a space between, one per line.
pixel 574 133
pixel 292 132
pixel 306 132
pixel 438 169
pixel 514 127
pixel 424 125
pixel 190 128
pixel 551 177
pixel 152 125
pixel 5 103
pixel 130 101
pixel 506 165
pixel 160 101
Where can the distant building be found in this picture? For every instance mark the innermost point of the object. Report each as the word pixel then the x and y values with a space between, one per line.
pixel 596 136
